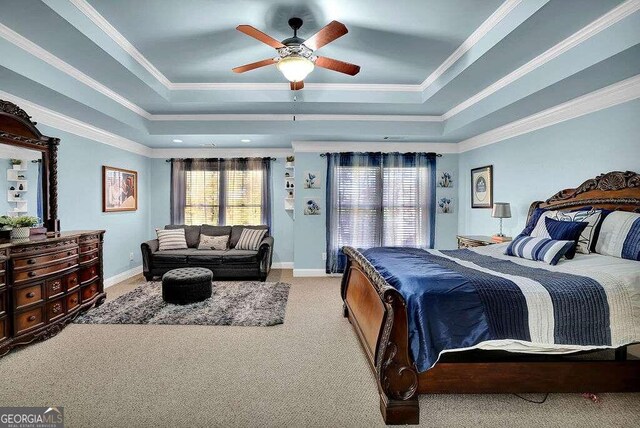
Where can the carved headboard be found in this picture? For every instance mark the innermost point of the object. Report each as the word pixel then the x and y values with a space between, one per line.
pixel 614 190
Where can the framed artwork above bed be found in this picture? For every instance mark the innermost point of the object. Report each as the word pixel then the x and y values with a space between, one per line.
pixel 482 187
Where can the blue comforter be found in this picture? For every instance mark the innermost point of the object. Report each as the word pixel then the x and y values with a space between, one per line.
pixel 458 299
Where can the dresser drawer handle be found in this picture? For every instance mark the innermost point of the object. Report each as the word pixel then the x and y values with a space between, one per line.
pixel 32 274
pixel 73 280
pixel 70 264
pixel 31 262
pixel 31 318
pixel 74 300
pixel 69 253
pixel 30 295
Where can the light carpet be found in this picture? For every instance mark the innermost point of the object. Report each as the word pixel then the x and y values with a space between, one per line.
pixel 308 372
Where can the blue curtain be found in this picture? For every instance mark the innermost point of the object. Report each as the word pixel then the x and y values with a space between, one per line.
pixel 379 199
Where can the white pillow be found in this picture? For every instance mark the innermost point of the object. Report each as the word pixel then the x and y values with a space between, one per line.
pixel 172 239
pixel 213 242
pixel 250 239
pixel 586 237
pixel 620 235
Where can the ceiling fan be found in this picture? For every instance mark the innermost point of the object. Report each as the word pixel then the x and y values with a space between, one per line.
pixel 296 57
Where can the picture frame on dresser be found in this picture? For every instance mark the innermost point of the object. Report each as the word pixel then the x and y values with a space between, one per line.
pixel 482 187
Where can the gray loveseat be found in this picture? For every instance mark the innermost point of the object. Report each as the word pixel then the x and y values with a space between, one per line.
pixel 225 264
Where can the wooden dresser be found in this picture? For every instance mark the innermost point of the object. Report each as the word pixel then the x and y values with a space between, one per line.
pixel 45 282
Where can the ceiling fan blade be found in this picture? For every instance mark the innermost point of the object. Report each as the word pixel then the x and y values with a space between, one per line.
pixel 327 34
pixel 296 86
pixel 259 35
pixel 339 66
pixel 254 65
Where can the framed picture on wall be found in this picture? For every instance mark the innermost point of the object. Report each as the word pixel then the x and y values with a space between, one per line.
pixel 482 187
pixel 119 189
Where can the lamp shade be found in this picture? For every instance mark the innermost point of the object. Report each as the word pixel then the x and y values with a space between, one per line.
pixel 295 67
pixel 501 210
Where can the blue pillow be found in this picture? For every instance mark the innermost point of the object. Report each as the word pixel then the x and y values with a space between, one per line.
pixel 539 249
pixel 565 231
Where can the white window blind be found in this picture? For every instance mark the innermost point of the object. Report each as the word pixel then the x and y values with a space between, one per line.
pixel 238 196
pixel 382 206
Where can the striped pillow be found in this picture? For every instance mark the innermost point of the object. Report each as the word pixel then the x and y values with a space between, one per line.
pixel 172 239
pixel 539 249
pixel 620 236
pixel 250 239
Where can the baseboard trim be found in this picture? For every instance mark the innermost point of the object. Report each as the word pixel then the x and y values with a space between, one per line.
pixel 113 280
pixel 282 265
pixel 313 272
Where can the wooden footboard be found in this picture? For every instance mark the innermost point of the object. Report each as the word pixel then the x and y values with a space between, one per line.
pixel 379 317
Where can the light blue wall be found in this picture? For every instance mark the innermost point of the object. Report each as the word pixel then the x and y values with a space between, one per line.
pixel 80 164
pixel 281 224
pixel 536 165
pixel 310 231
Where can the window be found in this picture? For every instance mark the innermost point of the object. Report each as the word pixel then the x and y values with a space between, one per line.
pixel 376 200
pixel 220 192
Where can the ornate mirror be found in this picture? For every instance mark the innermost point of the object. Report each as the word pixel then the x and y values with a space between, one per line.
pixel 28 168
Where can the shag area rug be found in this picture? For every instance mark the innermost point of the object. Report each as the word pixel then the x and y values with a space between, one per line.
pixel 242 303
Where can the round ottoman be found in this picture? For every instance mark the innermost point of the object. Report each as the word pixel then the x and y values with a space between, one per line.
pixel 186 285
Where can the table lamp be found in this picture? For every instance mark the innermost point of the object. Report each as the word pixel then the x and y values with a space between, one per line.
pixel 501 210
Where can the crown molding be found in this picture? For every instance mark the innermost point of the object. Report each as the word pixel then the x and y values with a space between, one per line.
pixel 298 117
pixel 62 122
pixel 372 146
pixel 605 21
pixel 609 96
pixel 44 55
pixel 120 40
pixel 221 152
pixel 494 19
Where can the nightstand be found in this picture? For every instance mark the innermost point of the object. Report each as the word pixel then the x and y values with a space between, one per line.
pixel 469 241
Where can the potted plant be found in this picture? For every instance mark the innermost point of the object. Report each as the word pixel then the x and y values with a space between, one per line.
pixel 289 163
pixel 22 225
pixel 17 163
pixel 5 222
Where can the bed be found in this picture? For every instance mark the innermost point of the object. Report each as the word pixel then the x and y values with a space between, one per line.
pixel 567 356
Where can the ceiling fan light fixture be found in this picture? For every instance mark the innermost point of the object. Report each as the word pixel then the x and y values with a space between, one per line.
pixel 295 67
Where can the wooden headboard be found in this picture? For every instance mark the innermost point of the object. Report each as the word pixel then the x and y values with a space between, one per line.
pixel 614 190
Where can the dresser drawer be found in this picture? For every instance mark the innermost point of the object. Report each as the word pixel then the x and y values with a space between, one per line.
pixel 88 247
pixel 88 274
pixel 38 261
pixel 73 301
pixel 89 291
pixel 55 309
pixel 71 281
pixel 28 319
pixel 55 287
pixel 3 329
pixel 23 276
pixel 3 279
pixel 89 257
pixel 26 296
pixel 3 303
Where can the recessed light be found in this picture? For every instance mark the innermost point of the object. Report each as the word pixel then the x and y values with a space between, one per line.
pixel 245 140
pixel 177 141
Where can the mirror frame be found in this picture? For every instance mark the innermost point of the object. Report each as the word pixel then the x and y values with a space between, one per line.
pixel 17 129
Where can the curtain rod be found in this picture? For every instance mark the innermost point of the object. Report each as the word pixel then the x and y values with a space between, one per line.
pixel 439 155
pixel 169 160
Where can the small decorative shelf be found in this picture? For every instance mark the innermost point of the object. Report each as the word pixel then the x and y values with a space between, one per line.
pixel 289 187
pixel 17 178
